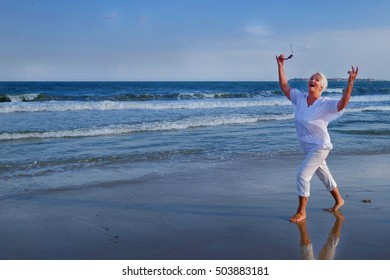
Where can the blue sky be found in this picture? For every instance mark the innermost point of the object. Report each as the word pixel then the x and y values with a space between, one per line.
pixel 191 39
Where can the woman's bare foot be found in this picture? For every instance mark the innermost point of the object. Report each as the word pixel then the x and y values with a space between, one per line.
pixel 301 211
pixel 298 217
pixel 337 205
pixel 339 201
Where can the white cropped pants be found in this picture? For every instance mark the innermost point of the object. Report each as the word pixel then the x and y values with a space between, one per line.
pixel 314 163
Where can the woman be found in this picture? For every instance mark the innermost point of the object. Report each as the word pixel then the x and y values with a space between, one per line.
pixel 312 113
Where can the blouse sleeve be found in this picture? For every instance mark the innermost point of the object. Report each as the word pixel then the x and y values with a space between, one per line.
pixel 331 111
pixel 294 94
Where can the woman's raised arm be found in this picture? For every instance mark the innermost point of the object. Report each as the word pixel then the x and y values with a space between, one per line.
pixel 348 91
pixel 282 76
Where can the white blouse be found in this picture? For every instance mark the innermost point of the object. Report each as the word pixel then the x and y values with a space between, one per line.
pixel 311 122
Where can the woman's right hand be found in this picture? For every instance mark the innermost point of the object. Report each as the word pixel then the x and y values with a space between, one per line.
pixel 280 60
pixel 282 76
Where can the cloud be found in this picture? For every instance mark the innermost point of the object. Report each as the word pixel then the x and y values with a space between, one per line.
pixel 258 30
pixel 111 16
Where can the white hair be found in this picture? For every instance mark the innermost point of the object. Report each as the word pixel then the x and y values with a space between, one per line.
pixel 324 81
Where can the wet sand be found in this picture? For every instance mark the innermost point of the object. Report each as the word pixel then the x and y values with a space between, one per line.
pixel 227 210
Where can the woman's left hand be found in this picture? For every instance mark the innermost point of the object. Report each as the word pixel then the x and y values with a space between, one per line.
pixel 353 74
pixel 348 91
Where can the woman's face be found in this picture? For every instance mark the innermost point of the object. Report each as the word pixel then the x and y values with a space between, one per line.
pixel 315 83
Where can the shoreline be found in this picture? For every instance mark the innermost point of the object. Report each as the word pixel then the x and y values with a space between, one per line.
pixel 231 210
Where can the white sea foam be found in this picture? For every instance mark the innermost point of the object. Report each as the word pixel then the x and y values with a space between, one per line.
pixel 151 126
pixel 61 106
pixel 23 97
pixel 370 98
pixel 334 90
pixel 369 108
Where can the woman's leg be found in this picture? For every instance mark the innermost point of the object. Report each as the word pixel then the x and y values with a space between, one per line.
pixel 327 179
pixel 306 171
pixel 301 211
pixel 314 159
pixel 339 201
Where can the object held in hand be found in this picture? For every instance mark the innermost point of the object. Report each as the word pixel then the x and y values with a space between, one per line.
pixel 291 55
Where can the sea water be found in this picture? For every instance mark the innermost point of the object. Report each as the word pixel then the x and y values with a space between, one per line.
pixel 57 135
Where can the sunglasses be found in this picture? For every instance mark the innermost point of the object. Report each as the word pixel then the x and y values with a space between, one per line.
pixel 291 55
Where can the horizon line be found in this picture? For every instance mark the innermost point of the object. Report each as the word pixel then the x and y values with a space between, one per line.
pixel 178 81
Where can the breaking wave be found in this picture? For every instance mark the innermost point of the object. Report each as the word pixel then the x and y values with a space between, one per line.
pixel 143 127
pixel 56 106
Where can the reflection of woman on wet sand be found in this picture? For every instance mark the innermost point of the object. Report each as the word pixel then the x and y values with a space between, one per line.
pixel 329 250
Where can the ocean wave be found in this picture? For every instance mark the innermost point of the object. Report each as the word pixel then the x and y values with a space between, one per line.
pixel 24 97
pixel 364 131
pixel 55 106
pixel 334 90
pixel 144 127
pixel 370 98
pixel 19 103
pixel 369 109
pixel 27 97
pixel 168 96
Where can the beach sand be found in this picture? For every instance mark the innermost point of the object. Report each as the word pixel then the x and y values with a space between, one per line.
pixel 226 210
